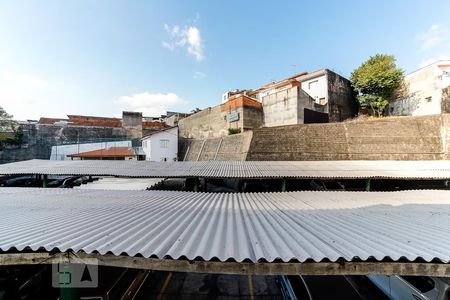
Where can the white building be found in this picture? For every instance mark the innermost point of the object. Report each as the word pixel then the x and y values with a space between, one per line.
pixel 315 97
pixel 161 145
pixel 425 91
pixel 60 152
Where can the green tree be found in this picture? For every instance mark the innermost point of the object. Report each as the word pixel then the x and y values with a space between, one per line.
pixel 8 131
pixel 376 81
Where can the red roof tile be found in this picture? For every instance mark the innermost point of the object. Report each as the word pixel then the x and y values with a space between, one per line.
pixel 111 152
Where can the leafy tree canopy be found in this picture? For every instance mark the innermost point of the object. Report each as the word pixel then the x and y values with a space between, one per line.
pixel 5 118
pixel 376 80
pixel 8 131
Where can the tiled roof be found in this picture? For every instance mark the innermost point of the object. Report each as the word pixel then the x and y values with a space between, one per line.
pixel 111 152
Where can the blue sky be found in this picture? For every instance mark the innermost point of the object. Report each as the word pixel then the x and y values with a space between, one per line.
pixel 102 57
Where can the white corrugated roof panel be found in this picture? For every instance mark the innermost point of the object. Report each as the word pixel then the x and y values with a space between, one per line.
pixel 293 226
pixel 237 169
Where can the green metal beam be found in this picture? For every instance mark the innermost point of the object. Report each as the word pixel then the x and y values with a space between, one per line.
pixel 367 185
pixel 283 185
pixel 196 187
pixel 44 181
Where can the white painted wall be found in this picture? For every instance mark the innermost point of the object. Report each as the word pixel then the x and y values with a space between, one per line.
pixel 161 146
pixel 423 91
pixel 61 152
pixel 316 87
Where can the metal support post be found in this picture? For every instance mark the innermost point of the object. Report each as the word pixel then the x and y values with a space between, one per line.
pixel 196 187
pixel 283 185
pixel 367 185
pixel 44 181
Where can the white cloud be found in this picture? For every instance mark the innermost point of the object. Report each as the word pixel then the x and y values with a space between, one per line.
pixel 434 44
pixel 195 43
pixel 171 47
pixel 22 94
pixel 433 37
pixel 25 80
pixel 198 75
pixel 151 104
pixel 188 37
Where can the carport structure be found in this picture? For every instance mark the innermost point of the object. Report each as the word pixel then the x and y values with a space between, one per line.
pixel 406 232
pixel 277 170
pixel 362 169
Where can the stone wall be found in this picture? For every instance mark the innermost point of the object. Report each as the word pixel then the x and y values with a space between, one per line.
pixel 208 123
pixel 233 147
pixel 132 122
pixel 252 118
pixel 445 100
pixel 394 138
pixel 445 132
pixel 399 138
pixel 38 140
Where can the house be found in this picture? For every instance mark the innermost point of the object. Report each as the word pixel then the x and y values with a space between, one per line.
pixel 425 91
pixel 317 97
pixel 119 153
pixel 161 145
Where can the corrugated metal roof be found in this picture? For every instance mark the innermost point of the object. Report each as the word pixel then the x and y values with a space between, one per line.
pixel 256 227
pixel 120 183
pixel 237 169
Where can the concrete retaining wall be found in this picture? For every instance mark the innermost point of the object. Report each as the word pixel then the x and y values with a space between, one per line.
pixel 208 123
pixel 400 138
pixel 394 138
pixel 233 147
pixel 38 140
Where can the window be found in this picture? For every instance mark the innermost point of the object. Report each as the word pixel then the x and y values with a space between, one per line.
pixel 164 143
pixel 422 283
